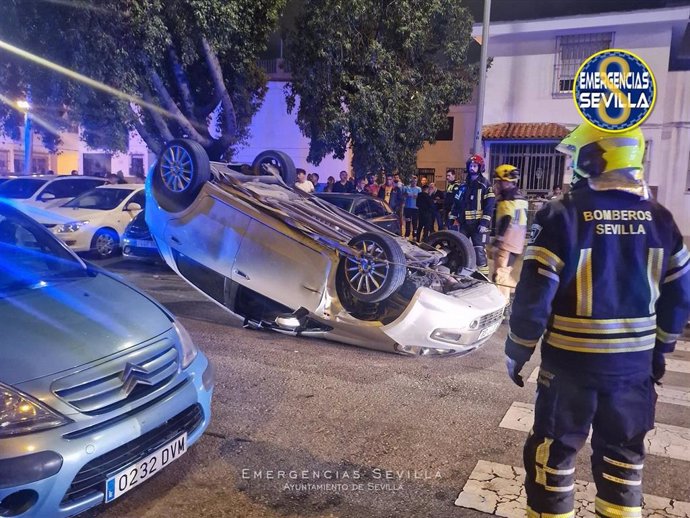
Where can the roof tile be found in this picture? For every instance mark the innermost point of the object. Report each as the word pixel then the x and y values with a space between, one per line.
pixel 524 131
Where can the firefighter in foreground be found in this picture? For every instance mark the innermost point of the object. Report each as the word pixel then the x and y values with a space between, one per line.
pixel 511 226
pixel 606 281
pixel 473 208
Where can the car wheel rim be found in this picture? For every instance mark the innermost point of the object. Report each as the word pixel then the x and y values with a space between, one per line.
pixel 177 168
pixel 367 273
pixel 105 244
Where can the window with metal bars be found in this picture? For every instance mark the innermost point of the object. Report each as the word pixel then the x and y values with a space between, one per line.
pixel 541 166
pixel 4 161
pixel 571 51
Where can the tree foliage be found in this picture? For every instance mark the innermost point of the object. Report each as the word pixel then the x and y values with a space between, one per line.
pixel 196 59
pixel 378 76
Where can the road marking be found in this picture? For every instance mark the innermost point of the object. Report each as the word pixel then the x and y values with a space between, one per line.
pixel 498 489
pixel 665 440
pixel 666 393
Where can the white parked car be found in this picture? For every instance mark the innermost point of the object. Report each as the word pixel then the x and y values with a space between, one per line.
pixel 96 220
pixel 46 191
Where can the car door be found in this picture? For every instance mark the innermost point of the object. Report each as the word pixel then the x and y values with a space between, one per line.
pixel 381 215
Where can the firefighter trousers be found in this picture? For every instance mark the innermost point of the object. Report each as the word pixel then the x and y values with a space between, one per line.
pixel 620 413
pixel 479 240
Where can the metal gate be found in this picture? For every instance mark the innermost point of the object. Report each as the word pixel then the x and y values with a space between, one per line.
pixel 541 165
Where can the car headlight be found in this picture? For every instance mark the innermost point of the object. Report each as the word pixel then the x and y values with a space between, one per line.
pixel 187 348
pixel 20 414
pixel 72 226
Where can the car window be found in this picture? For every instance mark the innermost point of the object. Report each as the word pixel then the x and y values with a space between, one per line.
pixel 70 188
pixel 361 209
pixel 376 209
pixel 100 199
pixel 21 188
pixel 139 198
pixel 30 256
pixel 338 201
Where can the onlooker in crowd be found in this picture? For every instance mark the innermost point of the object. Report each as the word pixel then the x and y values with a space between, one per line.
pixel 511 226
pixel 344 185
pixel 302 183
pixel 318 187
pixel 411 212
pixel 50 172
pixel 360 186
pixel 140 176
pixel 425 206
pixel 111 178
pixel 439 198
pixel 372 187
pixel 330 183
pixel 74 172
pixel 555 194
pixel 120 177
pixel 423 181
pixel 391 194
pixel 452 188
pixel 398 181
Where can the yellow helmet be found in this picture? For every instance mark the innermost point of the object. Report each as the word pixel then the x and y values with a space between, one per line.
pixel 507 173
pixel 610 161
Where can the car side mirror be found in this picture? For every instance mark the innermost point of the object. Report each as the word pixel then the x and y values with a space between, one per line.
pixel 133 207
pixel 47 196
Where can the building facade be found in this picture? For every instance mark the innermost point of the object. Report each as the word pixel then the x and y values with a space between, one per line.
pixel 529 102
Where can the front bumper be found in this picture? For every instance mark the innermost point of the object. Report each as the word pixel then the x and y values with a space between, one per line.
pixel 79 241
pixel 132 249
pixel 120 441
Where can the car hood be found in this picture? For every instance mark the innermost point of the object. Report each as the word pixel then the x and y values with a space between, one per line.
pixel 71 323
pixel 58 215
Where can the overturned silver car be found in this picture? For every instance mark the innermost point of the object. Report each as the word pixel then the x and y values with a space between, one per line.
pixel 288 261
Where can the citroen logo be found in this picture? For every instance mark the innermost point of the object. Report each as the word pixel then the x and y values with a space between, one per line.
pixel 132 376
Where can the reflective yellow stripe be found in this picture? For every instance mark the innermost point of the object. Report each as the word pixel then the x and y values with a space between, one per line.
pixel 621 481
pixel 678 273
pixel 616 511
pixel 559 489
pixel 679 258
pixel 549 274
pixel 608 329
pixel 655 257
pixel 523 341
pixel 560 472
pixel 488 218
pixel 603 323
pixel 667 338
pixel 600 345
pixel 531 513
pixel 545 257
pixel 622 464
pixel 583 283
pixel 541 458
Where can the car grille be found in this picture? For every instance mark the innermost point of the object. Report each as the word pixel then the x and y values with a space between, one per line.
pixel 93 475
pixel 120 381
pixel 490 318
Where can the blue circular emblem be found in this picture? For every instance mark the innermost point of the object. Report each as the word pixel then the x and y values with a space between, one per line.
pixel 614 90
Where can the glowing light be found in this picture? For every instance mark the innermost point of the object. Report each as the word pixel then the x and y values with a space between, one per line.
pixel 25 408
pixel 87 80
pixel 23 105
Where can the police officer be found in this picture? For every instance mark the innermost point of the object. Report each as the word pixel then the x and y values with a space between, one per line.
pixel 452 188
pixel 606 281
pixel 511 226
pixel 474 207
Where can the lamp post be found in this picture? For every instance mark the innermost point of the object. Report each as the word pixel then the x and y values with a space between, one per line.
pixel 477 144
pixel 25 106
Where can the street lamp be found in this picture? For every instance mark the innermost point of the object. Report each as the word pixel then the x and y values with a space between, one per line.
pixel 25 106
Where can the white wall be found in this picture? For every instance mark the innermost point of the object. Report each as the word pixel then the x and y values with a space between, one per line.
pixel 273 128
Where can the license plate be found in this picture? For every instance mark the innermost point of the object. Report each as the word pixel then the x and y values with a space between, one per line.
pixel 135 474
pixel 142 244
pixel 489 330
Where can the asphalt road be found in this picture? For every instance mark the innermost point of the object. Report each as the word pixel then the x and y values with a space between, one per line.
pixel 397 436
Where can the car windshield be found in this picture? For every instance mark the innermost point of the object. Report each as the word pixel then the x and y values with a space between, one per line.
pixel 31 257
pixel 21 188
pixel 99 199
pixel 338 201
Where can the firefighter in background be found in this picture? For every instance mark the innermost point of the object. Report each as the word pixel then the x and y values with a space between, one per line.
pixel 452 188
pixel 511 226
pixel 606 281
pixel 473 209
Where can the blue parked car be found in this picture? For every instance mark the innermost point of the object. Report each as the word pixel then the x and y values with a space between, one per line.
pixel 100 386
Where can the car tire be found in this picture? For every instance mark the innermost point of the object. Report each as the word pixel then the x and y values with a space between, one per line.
pixel 459 248
pixel 105 243
pixel 181 170
pixel 281 161
pixel 378 272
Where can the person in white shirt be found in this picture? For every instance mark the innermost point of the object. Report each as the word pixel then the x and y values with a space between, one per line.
pixel 302 183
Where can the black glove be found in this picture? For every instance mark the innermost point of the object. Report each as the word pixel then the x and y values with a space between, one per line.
pixel 658 366
pixel 514 367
